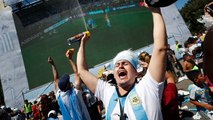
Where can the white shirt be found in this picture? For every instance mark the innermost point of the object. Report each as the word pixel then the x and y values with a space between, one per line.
pixel 149 92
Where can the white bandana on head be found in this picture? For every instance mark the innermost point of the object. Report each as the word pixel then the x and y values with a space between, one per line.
pixel 126 55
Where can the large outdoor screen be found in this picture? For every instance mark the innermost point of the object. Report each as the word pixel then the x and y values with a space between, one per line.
pixel 43 30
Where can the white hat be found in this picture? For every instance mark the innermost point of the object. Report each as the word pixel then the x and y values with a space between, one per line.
pixel 126 55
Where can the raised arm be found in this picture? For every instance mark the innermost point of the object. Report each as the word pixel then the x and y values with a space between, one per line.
pixel 55 72
pixel 208 9
pixel 78 81
pixel 88 78
pixel 157 65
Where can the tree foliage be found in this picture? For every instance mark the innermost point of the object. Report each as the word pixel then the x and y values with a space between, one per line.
pixel 192 11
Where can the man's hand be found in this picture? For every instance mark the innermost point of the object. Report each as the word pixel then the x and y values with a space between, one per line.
pixel 70 53
pixel 208 9
pixel 85 38
pixel 50 60
pixel 152 9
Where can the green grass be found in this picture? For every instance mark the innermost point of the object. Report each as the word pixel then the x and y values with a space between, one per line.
pixel 131 28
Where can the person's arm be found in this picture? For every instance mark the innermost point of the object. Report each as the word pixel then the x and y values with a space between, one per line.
pixel 170 78
pixel 78 81
pixel 88 78
pixel 55 72
pixel 170 98
pixel 207 106
pixel 170 91
pixel 208 11
pixel 158 59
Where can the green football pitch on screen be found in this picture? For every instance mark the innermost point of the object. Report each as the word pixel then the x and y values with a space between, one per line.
pixel 126 28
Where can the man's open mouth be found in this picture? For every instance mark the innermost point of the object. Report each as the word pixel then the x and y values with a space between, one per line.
pixel 122 74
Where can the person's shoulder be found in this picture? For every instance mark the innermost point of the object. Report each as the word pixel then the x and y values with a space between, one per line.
pixel 190 87
pixel 148 79
pixel 193 87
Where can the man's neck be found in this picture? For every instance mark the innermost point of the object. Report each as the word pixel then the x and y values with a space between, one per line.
pixel 124 90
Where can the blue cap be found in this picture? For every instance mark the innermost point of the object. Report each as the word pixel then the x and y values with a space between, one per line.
pixel 63 82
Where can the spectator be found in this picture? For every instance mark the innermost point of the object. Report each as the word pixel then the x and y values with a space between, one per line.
pixel 189 64
pixel 44 106
pixel 200 93
pixel 69 96
pixel 180 49
pixel 194 46
pixel 28 109
pixel 144 59
pixel 36 112
pixel 146 94
pixel 92 104
pixel 54 102
pixel 174 63
pixel 21 115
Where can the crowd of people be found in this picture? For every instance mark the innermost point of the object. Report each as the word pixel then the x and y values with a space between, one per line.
pixel 133 87
pixel 196 65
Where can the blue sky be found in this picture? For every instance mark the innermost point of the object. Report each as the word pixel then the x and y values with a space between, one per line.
pixel 180 3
